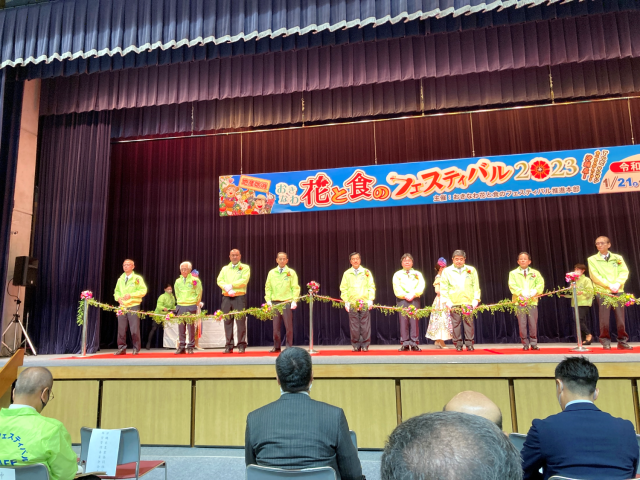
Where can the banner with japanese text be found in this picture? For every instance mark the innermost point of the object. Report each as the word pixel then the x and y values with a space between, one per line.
pixel 532 175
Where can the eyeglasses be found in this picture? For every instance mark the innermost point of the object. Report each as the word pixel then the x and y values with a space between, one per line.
pixel 602 243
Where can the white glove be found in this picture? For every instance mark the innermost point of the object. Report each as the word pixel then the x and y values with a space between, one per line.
pixel 449 304
pixel 614 287
pixel 294 305
pixel 227 288
pixel 346 306
pixel 409 297
pixel 474 304
pixel 201 304
pixel 269 303
pixel 231 293
pixel 370 304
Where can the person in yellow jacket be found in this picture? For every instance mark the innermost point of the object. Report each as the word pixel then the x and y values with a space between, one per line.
pixel 282 286
pixel 585 291
pixel 357 291
pixel 188 295
pixel 29 437
pixel 459 286
pixel 527 283
pixel 609 273
pixel 408 286
pixel 129 292
pixel 233 280
pixel 166 302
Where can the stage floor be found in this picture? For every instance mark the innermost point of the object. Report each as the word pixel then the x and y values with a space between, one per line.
pixel 342 355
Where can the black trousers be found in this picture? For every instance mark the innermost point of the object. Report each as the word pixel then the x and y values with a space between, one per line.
pixel 584 326
pixel 408 325
pixel 183 327
pixel 234 304
pixel 133 321
pixel 287 317
pixel 604 312
pixel 457 322
pixel 360 326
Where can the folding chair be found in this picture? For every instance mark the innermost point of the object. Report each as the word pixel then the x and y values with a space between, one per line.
pixel 518 440
pixel 354 439
pixel 256 472
pixel 129 463
pixel 37 471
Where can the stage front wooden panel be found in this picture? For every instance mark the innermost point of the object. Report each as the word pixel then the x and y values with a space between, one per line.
pixel 159 409
pixel 616 398
pixel 424 396
pixel 75 404
pixel 222 407
pixel 535 398
pixel 369 405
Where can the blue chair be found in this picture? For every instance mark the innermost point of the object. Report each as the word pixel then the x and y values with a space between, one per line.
pixel 518 440
pixel 256 472
pixel 354 439
pixel 37 471
pixel 129 453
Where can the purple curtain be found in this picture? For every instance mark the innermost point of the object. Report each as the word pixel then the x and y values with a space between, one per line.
pixel 545 43
pixel 70 227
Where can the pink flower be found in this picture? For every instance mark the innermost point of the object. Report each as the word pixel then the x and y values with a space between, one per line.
pixel 571 277
pixel 87 294
pixel 119 313
pixel 195 282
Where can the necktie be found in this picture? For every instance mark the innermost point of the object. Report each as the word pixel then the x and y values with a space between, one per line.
pixel 126 279
pixel 525 273
pixel 281 270
pixel 606 258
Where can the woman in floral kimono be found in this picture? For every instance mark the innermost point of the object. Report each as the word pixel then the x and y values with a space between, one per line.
pixel 440 328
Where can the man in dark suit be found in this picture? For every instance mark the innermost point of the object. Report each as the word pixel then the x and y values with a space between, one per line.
pixel 296 432
pixel 581 441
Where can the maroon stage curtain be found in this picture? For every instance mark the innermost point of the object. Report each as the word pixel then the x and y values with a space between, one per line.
pixel 163 209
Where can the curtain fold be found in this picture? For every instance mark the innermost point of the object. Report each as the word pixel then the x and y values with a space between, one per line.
pixel 163 210
pixel 581 80
pixel 82 29
pixel 537 44
pixel 70 227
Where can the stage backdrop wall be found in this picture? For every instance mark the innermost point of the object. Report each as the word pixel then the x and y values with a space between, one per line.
pixel 163 209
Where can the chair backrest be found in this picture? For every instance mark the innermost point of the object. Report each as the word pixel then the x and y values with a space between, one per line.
pixel 638 438
pixel 256 472
pixel 558 477
pixel 518 440
pixel 129 450
pixel 37 471
pixel 354 439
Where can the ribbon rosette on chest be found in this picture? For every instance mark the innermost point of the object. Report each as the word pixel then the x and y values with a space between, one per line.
pixel 532 275
pixel 467 271
pixel 366 273
pixel 239 268
pixel 137 281
pixel 194 284
pixel 619 261
pixel 288 274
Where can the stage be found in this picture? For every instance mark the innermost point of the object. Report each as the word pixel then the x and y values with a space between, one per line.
pixel 203 399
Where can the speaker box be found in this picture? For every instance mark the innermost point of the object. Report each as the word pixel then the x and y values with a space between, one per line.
pixel 25 272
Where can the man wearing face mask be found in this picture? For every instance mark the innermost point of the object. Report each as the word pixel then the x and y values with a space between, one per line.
pixel 277 435
pixel 29 437
pixel 581 441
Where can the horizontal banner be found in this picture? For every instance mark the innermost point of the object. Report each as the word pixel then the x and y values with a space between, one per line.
pixel 531 175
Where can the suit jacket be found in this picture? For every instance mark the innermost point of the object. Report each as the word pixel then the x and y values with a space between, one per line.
pixel 581 442
pixel 297 432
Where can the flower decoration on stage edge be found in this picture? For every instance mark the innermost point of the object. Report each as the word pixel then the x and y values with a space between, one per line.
pixel 361 305
pixel 169 316
pixel 466 310
pixel 313 287
pixel 119 312
pixel 218 316
pixel 410 311
pixel 629 299
pixel 522 302
pixel 266 307
pixel 86 295
pixel 571 277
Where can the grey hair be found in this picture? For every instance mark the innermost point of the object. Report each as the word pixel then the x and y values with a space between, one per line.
pixel 449 446
pixel 188 264
pixel 459 253
pixel 33 380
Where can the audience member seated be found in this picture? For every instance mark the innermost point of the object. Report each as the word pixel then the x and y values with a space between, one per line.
pixel 28 437
pixel 475 403
pixel 449 446
pixel 296 432
pixel 581 441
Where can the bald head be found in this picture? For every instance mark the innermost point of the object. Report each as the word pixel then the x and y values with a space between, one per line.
pixel 33 387
pixel 475 403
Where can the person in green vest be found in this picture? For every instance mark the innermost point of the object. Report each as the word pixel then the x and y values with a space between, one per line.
pixel 29 437
pixel 188 295
pixel 282 286
pixel 408 286
pixel 166 302
pixel 129 292
pixel 459 286
pixel 357 291
pixel 609 273
pixel 233 280
pixel 527 283
pixel 585 291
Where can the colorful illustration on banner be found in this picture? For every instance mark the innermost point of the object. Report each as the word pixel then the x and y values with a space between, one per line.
pixel 250 197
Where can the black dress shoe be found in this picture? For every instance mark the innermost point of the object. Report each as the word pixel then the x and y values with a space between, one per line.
pixel 624 346
pixel 179 351
pixel 458 348
pixel 470 348
pixel 403 348
pixel 606 347
pixel 228 350
pixel 365 349
pixel 190 351
pixel 535 347
pixel 274 350
pixel 121 351
pixel 586 342
pixel 525 347
pixel 135 351
pixel 240 349
pixel 148 347
pixel 415 348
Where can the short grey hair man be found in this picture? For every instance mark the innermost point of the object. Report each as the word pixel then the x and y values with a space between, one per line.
pixel 459 253
pixel 449 446
pixel 187 264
